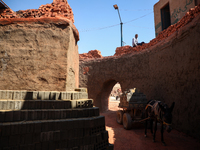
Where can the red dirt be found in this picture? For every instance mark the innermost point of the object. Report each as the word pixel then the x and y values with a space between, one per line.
pixel 134 139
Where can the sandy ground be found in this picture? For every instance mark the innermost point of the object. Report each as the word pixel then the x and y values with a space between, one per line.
pixel 134 139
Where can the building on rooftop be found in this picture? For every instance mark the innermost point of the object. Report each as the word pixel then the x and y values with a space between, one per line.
pixel 169 12
pixel 3 5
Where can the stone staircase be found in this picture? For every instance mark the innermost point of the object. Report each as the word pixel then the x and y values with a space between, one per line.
pixel 51 121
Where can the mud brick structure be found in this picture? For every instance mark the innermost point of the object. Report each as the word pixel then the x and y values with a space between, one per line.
pixel 58 8
pixel 134 99
pixel 91 54
pixel 39 53
pixel 41 106
pixel 37 120
pixel 187 18
pixel 166 69
pixel 169 12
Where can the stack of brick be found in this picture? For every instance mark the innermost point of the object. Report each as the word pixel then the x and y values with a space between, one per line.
pixel 7 13
pixel 126 49
pixel 91 54
pixel 133 98
pixel 189 16
pixel 59 8
pixel 49 120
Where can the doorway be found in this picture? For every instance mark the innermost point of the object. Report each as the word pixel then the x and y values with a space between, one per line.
pixel 114 98
pixel 165 17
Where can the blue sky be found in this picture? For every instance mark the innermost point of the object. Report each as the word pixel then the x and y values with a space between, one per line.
pixel 98 22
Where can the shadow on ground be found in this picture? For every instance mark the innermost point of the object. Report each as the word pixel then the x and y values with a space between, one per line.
pixel 134 139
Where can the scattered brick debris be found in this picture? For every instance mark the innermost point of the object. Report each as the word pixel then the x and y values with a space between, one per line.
pixel 189 16
pixel 91 54
pixel 86 70
pixel 59 8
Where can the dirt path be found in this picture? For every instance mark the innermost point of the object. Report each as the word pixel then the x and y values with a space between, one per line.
pixel 134 139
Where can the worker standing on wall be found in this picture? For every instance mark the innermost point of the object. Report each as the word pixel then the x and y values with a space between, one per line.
pixel 135 41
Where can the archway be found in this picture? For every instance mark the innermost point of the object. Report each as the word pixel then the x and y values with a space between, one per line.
pixel 114 98
pixel 102 99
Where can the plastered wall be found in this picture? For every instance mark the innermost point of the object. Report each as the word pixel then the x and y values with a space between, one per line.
pixel 38 55
pixel 178 8
pixel 168 71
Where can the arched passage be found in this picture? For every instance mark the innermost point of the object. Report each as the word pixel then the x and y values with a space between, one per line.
pixel 114 98
pixel 168 71
pixel 102 99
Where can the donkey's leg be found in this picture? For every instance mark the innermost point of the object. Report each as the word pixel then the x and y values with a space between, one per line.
pixel 155 129
pixel 145 131
pixel 151 126
pixel 146 115
pixel 162 130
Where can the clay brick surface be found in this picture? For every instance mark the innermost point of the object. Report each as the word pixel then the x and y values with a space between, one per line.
pixel 58 70
pixel 167 71
pixel 189 16
pixel 55 9
pixel 91 54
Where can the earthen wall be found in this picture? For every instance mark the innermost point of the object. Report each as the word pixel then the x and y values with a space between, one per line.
pixel 38 49
pixel 177 8
pixel 168 71
pixel 35 56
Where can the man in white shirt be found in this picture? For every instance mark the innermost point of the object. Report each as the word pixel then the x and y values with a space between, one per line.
pixel 135 41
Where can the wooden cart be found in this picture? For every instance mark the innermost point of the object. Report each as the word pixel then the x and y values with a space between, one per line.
pixel 132 104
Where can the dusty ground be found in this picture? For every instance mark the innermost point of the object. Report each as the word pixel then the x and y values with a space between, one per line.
pixel 134 139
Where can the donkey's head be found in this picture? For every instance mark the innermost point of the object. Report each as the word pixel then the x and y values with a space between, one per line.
pixel 167 115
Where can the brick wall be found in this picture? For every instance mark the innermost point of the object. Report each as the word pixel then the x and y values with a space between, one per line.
pixel 59 8
pixel 35 55
pixel 39 48
pixel 168 71
pixel 178 9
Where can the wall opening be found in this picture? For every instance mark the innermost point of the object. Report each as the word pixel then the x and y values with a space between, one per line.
pixel 114 98
pixel 165 17
pixel 102 99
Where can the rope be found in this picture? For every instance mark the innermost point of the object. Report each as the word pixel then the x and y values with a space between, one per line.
pixel 138 18
pixel 144 119
pixel 166 123
pixel 135 9
pixel 101 28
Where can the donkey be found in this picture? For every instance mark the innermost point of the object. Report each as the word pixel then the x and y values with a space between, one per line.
pixel 158 112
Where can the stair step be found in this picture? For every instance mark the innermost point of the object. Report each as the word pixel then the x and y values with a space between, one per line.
pixel 90 130
pixel 45 104
pixel 47 114
pixel 56 140
pixel 79 93
pixel 93 124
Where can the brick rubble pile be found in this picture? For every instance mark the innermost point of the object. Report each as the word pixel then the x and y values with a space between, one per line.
pixel 59 8
pixel 189 16
pixel 91 54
